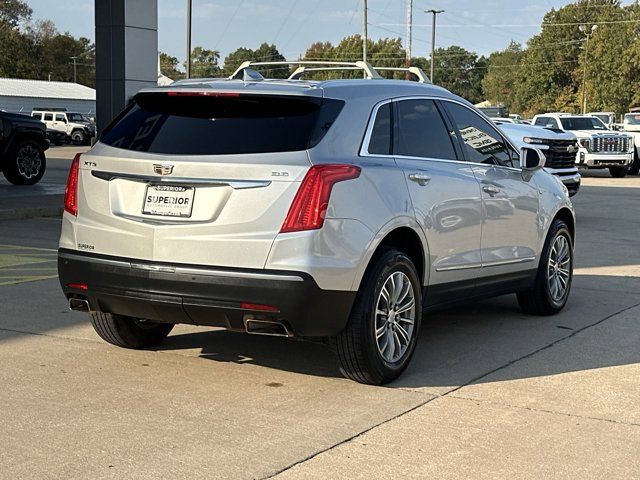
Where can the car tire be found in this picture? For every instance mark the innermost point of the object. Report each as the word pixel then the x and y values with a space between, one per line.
pixel 78 137
pixel 618 172
pixel 25 164
pixel 635 166
pixel 360 347
pixel 129 332
pixel 544 298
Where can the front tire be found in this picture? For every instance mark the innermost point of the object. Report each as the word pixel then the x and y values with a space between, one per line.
pixel 555 273
pixel 635 166
pixel 129 332
pixel 381 334
pixel 25 164
pixel 618 172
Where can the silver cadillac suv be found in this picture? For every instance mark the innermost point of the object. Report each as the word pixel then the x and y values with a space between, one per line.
pixel 338 210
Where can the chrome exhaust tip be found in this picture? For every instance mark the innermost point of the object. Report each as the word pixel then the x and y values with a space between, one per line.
pixel 266 327
pixel 79 305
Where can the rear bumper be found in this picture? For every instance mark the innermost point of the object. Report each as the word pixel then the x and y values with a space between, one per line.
pixel 203 295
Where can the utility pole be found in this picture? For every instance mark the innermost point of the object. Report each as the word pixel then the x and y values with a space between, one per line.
pixel 433 36
pixel 588 33
pixel 407 62
pixel 366 34
pixel 75 69
pixel 189 5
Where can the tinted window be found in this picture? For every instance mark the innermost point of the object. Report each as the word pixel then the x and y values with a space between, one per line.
pixel 380 142
pixel 48 117
pixel 37 115
pixel 59 118
pixel 220 124
pixel 583 123
pixel 482 142
pixel 422 132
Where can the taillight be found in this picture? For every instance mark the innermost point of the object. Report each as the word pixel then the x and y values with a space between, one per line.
pixel 310 204
pixel 71 191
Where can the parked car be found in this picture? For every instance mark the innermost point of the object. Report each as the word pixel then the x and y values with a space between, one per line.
pixel 560 149
pixel 598 147
pixel 608 118
pixel 631 126
pixel 22 145
pixel 332 210
pixel 74 126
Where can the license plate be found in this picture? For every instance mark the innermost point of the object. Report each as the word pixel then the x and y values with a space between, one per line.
pixel 168 200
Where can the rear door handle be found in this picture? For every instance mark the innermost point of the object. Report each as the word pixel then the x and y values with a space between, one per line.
pixel 491 190
pixel 420 178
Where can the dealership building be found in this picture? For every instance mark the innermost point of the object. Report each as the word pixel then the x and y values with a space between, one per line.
pixel 22 96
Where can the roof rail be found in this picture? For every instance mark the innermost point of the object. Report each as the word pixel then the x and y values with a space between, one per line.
pixel 418 72
pixel 368 70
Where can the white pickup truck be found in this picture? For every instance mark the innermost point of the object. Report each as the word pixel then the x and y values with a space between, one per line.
pixel 598 147
pixel 631 126
pixel 559 148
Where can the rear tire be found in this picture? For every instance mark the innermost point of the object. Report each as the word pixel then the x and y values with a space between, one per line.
pixel 618 172
pixel 78 137
pixel 544 298
pixel 382 326
pixel 25 164
pixel 129 332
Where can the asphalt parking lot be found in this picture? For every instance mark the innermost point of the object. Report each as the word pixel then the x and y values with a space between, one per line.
pixel 491 392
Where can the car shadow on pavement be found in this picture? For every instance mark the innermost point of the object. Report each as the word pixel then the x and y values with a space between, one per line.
pixel 456 346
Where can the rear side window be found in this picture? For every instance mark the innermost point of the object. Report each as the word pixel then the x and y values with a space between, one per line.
pixel 422 131
pixel 380 142
pixel 48 117
pixel 192 124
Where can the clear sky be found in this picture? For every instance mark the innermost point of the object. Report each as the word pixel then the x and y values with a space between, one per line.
pixel 482 26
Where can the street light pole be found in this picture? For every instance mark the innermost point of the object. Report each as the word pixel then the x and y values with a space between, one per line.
pixel 366 33
pixel 588 33
pixel 188 65
pixel 433 37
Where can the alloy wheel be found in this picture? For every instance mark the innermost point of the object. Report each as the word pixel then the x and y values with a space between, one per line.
pixel 28 161
pixel 395 316
pixel 559 268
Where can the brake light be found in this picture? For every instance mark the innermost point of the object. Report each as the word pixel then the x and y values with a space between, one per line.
pixel 71 191
pixel 187 93
pixel 78 286
pixel 310 204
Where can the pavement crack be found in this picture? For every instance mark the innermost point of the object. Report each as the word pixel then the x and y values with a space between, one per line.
pixel 453 390
pixel 349 439
pixel 543 410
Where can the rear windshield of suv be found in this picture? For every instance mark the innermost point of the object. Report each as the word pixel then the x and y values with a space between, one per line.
pixel 188 123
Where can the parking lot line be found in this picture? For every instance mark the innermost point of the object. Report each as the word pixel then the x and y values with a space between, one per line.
pixel 21 264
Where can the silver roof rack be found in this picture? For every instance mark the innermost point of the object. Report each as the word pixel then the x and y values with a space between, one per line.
pixel 418 72
pixel 240 74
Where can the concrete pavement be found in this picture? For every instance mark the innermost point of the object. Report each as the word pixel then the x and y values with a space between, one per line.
pixel 491 392
pixel 45 198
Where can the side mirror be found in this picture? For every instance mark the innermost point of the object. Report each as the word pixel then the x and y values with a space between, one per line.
pixel 531 158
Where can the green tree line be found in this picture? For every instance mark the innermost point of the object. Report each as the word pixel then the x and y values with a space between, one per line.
pixel 545 74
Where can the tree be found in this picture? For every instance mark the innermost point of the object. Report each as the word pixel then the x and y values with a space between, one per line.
pixel 169 66
pixel 264 53
pixel 502 77
pixel 204 63
pixel 460 71
pixel 234 59
pixel 14 12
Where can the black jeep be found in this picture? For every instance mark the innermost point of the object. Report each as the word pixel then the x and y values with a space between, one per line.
pixel 23 141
